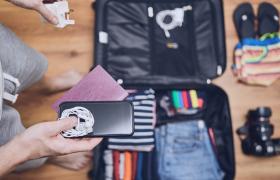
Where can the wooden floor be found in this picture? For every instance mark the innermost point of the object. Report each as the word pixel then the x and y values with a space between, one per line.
pixel 71 48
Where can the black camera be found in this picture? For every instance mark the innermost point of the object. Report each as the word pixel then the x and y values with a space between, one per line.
pixel 256 134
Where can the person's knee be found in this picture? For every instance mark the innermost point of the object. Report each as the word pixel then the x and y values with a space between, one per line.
pixel 10 124
pixel 20 60
pixel 32 164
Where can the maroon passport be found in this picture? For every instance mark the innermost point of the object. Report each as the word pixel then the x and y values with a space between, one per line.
pixel 97 85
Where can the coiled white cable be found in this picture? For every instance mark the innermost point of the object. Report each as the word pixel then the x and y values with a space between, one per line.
pixel 177 18
pixel 85 121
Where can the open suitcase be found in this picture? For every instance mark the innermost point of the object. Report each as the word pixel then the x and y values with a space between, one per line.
pixel 138 53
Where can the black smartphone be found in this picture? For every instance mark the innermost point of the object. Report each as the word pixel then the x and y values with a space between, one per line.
pixel 98 119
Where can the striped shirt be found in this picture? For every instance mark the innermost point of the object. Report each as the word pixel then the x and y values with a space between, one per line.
pixel 144 116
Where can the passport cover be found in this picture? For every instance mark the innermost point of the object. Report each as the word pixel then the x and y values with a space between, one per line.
pixel 97 85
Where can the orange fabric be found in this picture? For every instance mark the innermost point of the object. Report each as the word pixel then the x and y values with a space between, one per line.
pixel 257 62
pixel 200 103
pixel 127 166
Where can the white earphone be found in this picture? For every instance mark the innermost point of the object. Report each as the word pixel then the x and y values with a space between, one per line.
pixel 85 121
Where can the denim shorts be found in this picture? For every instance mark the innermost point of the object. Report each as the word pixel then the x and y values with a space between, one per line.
pixel 184 151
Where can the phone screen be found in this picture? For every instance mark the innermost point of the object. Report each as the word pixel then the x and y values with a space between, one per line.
pixel 99 119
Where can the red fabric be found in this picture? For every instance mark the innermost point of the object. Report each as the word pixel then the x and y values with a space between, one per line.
pixel 200 103
pixel 116 160
pixel 134 165
pixel 212 138
pixel 185 99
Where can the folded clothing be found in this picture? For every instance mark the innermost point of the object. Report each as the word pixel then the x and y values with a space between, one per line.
pixel 186 144
pixel 130 165
pixel 108 160
pixel 176 105
pixel 144 116
pixel 257 61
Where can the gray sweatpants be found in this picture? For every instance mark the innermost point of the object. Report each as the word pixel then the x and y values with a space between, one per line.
pixel 28 66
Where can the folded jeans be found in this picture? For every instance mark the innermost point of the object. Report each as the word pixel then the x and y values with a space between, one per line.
pixel 185 152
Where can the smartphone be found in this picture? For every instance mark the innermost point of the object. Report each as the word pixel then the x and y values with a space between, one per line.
pixel 98 119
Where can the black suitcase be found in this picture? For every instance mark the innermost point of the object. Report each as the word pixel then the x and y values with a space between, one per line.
pixel 138 53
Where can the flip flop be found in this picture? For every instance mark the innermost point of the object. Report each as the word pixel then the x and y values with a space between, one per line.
pixel 268 18
pixel 243 18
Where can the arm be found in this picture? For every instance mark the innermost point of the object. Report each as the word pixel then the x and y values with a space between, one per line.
pixel 12 154
pixel 38 6
pixel 41 140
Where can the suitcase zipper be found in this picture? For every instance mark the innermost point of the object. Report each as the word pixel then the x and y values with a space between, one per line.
pixel 220 66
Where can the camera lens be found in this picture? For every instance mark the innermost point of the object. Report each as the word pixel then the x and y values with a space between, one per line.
pixel 260 128
pixel 263 112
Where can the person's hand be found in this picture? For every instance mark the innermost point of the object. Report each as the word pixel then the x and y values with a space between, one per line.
pixel 44 139
pixel 38 6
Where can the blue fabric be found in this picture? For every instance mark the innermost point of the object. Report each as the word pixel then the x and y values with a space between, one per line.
pixel 139 166
pixel 258 42
pixel 185 152
pixel 147 167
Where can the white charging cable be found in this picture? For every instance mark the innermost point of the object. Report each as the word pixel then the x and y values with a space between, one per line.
pixel 177 18
pixel 85 121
